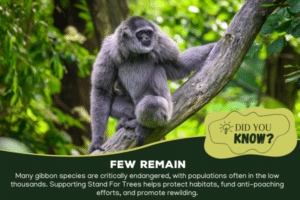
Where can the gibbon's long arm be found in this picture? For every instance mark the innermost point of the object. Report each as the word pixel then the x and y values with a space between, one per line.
pixel 194 58
pixel 190 60
pixel 104 76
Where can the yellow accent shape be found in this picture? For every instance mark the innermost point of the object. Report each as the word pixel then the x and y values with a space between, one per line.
pixel 254 131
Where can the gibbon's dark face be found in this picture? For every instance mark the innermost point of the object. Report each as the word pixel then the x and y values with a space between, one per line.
pixel 143 33
pixel 144 36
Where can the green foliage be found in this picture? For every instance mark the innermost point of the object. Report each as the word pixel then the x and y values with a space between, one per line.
pixel 276 46
pixel 283 24
pixel 284 20
pixel 294 76
pixel 189 23
pixel 86 15
pixel 294 5
pixel 31 69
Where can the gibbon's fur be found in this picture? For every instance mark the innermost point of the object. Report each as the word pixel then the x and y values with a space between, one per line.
pixel 140 58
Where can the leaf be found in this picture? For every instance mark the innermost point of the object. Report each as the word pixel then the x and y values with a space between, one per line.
pixel 59 114
pixel 272 22
pixel 15 84
pixel 294 6
pixel 293 73
pixel 60 72
pixel 267 29
pixel 7 50
pixel 276 46
pixel 85 16
pixel 292 29
pixel 294 78
pixel 13 99
pixel 296 31
pixel 289 66
pixel 58 68
pixel 253 51
pixel 54 85
pixel 82 7
pixel 284 26
pixel 268 5
pixel 284 13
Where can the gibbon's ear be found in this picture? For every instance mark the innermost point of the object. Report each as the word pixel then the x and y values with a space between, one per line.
pixel 122 39
pixel 165 48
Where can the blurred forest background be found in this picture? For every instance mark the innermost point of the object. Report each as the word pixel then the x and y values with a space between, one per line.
pixel 47 48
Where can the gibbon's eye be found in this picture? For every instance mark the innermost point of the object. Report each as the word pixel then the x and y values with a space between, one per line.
pixel 149 33
pixel 144 34
pixel 139 34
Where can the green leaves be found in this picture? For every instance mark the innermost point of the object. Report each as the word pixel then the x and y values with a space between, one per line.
pixel 86 15
pixel 283 21
pixel 32 60
pixel 294 76
pixel 276 46
pixel 296 30
pixel 15 91
pixel 284 26
pixel 271 23
pixel 294 5
pixel 58 68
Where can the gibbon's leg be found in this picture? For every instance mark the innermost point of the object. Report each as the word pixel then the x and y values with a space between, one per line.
pixel 153 111
pixel 122 107
pixel 155 107
pixel 126 123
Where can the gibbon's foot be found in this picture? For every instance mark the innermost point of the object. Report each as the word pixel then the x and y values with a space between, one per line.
pixel 126 123
pixel 94 147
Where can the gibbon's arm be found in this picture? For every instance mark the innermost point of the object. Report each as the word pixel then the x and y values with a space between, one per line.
pixel 104 75
pixel 190 60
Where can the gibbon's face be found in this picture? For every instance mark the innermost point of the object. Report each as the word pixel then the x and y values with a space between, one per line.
pixel 143 35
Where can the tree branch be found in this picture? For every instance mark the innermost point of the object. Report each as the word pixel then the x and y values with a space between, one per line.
pixel 223 61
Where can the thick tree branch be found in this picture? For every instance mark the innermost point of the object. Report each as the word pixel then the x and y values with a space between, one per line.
pixel 223 62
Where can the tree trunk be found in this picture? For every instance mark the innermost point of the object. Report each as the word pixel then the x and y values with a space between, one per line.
pixel 106 15
pixel 274 73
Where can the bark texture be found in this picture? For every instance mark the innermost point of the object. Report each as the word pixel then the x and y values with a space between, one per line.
pixel 277 88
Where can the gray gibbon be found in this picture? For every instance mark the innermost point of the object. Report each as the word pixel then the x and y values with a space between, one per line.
pixel 139 59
